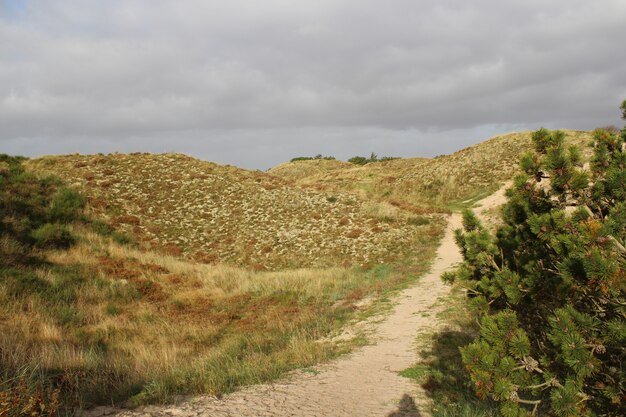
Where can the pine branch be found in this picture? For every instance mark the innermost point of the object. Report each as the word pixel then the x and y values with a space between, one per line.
pixel 619 246
pixel 551 383
pixel 494 264
pixel 535 403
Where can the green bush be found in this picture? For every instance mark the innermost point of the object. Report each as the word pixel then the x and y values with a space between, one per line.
pixel 53 236
pixel 358 160
pixel 66 205
pixel 388 158
pixel 102 228
pixel 361 160
pixel 313 158
pixel 551 285
pixel 29 202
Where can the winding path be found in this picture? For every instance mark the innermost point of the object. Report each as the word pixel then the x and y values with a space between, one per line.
pixel 364 383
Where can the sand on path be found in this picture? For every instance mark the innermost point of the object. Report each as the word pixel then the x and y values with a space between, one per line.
pixel 364 383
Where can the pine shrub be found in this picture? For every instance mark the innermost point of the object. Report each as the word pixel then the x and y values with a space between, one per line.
pixel 549 287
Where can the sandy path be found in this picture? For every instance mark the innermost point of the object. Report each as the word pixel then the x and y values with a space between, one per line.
pixel 364 383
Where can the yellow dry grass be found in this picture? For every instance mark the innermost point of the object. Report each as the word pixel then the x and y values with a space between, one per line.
pixel 116 321
pixel 237 274
pixel 302 169
pixel 221 214
pixel 442 181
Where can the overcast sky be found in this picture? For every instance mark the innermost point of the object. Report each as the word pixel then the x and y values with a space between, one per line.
pixel 254 83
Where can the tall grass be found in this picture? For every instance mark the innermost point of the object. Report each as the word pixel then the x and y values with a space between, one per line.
pixel 86 318
pixel 105 322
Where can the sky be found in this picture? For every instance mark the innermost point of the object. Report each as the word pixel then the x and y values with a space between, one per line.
pixel 256 83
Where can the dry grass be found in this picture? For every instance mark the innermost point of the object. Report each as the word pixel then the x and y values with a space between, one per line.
pixel 220 214
pixel 106 322
pixel 444 181
pixel 301 169
pixel 237 276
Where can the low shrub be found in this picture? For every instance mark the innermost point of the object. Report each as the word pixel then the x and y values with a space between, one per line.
pixel 361 160
pixel 102 228
pixel 312 158
pixel 66 205
pixel 358 160
pixel 419 221
pixel 52 236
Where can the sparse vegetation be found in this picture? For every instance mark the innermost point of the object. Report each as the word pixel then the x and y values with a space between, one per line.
pixel 217 214
pixel 52 236
pixel 447 182
pixel 94 320
pixel 102 320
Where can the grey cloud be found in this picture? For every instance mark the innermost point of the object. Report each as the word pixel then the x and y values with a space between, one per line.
pixel 86 74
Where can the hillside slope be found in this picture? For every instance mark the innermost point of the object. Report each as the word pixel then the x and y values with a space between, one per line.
pixel 221 214
pixel 449 179
pixel 299 169
pixel 88 317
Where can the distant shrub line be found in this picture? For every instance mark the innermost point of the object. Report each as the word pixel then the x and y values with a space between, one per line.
pixel 357 160
pixel 361 160
pixel 313 158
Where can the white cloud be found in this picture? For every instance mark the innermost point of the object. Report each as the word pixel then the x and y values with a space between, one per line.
pixel 139 71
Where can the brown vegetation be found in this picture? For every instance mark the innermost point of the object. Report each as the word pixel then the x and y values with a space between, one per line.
pixel 443 181
pixel 203 211
pixel 143 325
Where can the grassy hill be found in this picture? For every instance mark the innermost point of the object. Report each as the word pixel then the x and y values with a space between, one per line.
pixel 440 182
pixel 146 276
pixel 221 214
pixel 298 169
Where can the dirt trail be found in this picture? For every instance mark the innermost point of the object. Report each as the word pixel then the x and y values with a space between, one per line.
pixel 364 383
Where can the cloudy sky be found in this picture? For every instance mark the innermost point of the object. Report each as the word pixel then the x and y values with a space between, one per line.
pixel 254 83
